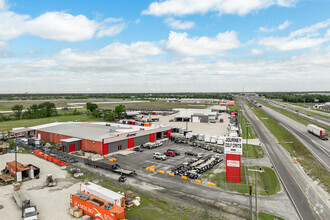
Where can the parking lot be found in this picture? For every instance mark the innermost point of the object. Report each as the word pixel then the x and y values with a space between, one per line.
pixel 139 161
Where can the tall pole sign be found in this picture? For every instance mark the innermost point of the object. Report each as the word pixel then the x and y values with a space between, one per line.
pixel 233 151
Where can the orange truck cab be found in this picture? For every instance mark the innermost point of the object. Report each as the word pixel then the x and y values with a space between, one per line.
pixel 97 208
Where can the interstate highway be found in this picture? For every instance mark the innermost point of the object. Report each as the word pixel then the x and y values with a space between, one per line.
pixel 304 195
pixel 320 149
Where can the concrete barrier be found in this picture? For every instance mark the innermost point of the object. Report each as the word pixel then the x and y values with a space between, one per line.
pixel 198 181
pixel 211 184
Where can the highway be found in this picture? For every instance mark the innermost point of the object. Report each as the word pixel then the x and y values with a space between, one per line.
pixel 288 107
pixel 320 149
pixel 304 194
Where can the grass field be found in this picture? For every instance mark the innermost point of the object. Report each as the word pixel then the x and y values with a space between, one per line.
pixel 268 183
pixel 158 105
pixel 296 149
pixel 8 125
pixel 295 116
pixel 253 151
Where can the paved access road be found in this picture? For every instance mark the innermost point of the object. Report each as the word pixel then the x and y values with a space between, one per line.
pixel 306 199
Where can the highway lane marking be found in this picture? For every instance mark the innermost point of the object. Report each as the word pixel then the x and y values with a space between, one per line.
pixel 314 208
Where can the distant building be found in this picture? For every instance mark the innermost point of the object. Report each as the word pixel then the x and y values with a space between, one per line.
pixel 195 115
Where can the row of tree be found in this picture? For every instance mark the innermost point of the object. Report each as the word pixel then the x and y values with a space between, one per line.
pixel 107 114
pixel 306 98
pixel 43 110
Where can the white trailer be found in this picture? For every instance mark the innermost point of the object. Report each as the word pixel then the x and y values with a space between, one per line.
pixel 103 193
pixel 317 131
pixel 214 139
pixel 207 138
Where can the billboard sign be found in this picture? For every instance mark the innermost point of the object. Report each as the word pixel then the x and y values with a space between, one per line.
pixel 233 145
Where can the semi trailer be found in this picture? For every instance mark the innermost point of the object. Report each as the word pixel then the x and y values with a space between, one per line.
pixel 317 131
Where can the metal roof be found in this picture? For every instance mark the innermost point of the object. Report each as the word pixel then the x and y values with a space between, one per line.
pixel 90 131
pixel 70 140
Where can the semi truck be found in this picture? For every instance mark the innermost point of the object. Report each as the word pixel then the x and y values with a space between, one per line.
pixel 29 212
pixel 317 131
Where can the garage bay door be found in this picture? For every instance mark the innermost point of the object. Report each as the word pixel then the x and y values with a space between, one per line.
pixel 141 140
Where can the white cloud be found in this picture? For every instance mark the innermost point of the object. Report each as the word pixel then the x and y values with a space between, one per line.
pixel 58 26
pixel 177 24
pixel 202 46
pixel 185 7
pixel 3 5
pixel 303 38
pixel 287 3
pixel 111 30
pixel 256 52
pixel 283 26
pixel 62 27
pixel 110 70
pixel 11 25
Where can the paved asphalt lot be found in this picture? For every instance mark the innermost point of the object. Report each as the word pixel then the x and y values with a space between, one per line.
pixel 138 161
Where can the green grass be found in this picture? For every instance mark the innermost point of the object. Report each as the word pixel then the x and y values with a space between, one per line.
pixel 251 134
pixel 253 151
pixel 266 216
pixel 268 183
pixel 296 149
pixel 8 125
pixel 295 116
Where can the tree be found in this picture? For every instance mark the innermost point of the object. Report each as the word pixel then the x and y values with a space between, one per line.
pixel 11 144
pixel 109 115
pixel 91 106
pixel 120 110
pixel 96 114
pixel 17 109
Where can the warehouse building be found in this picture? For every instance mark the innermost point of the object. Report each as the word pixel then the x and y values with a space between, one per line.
pixel 100 137
pixel 195 115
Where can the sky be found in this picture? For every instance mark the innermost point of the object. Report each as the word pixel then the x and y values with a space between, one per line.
pixel 84 46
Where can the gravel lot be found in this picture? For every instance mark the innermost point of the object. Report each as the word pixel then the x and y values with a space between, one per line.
pixel 216 129
pixel 52 203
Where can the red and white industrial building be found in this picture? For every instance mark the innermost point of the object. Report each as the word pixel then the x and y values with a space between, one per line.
pixel 100 137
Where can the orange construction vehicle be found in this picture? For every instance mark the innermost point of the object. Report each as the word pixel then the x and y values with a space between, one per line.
pixel 97 208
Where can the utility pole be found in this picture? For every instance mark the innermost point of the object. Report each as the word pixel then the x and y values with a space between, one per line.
pixel 251 213
pixel 256 189
pixel 15 164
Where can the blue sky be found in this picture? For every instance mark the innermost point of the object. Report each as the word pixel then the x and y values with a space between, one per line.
pixel 164 46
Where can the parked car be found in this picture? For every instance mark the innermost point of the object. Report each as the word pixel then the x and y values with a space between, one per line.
pixel 177 153
pixel 138 149
pixel 159 156
pixel 170 153
pixel 190 153
pixel 218 151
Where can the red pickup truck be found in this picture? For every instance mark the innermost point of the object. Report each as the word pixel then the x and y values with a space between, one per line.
pixel 170 153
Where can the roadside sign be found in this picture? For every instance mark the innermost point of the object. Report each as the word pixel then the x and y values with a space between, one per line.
pixel 233 145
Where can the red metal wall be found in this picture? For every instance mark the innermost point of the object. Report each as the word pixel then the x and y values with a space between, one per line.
pixel 168 133
pixel 152 137
pixel 130 143
pixel 233 174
